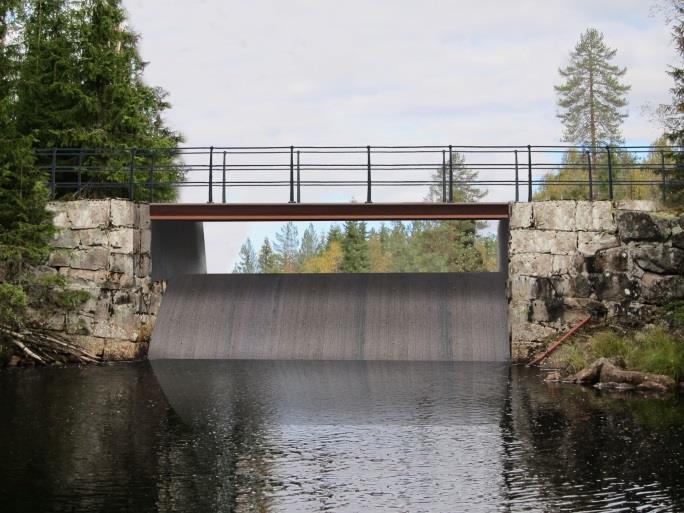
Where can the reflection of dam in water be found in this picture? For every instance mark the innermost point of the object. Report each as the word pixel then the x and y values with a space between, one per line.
pixel 422 316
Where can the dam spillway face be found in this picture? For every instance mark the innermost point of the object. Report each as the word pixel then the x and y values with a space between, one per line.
pixel 411 317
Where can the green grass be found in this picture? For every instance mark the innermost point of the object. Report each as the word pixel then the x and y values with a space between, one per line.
pixel 654 350
pixel 573 358
pixel 658 351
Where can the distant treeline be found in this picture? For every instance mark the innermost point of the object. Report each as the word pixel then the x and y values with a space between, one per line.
pixel 419 246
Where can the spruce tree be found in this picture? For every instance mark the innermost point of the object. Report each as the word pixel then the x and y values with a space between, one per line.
pixel 355 249
pixel 25 225
pixel 248 259
pixel 81 87
pixel 286 246
pixel 592 96
pixel 268 260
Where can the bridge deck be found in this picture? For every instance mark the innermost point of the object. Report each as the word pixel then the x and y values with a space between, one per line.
pixel 325 211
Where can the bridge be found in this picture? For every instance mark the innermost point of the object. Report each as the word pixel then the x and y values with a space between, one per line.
pixel 456 316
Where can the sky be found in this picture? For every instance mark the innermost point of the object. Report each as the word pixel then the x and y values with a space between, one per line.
pixel 383 72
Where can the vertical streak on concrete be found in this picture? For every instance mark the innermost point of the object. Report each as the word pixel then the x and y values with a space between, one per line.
pixel 177 249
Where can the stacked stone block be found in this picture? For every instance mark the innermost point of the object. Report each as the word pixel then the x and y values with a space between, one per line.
pixel 103 248
pixel 615 261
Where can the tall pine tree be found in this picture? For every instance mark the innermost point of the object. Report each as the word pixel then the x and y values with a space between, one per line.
pixel 268 260
pixel 592 96
pixel 674 113
pixel 286 246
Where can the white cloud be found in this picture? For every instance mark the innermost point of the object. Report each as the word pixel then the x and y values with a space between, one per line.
pixel 383 72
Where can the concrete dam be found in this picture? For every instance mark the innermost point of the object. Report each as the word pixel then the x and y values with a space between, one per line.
pixel 422 316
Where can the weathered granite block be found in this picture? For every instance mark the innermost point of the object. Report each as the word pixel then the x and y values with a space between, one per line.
pixel 659 258
pixel 595 216
pixel 88 213
pixel 555 215
pixel 124 213
pixel 93 259
pixel 123 240
pixel 93 237
pixel 589 243
pixel 642 226
pixel 521 215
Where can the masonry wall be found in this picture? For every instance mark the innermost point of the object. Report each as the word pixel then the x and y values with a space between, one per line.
pixel 103 247
pixel 568 259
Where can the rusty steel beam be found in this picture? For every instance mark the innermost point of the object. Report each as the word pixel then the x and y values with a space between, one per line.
pixel 326 211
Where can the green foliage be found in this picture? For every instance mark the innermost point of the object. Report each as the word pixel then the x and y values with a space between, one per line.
pixel 286 246
pixel 591 95
pixel 80 86
pixel 268 260
pixel 248 263
pixel 13 303
pixel 674 113
pixel 570 180
pixel 355 249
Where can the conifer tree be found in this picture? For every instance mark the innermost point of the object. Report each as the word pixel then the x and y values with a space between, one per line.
pixel 356 253
pixel 592 96
pixel 268 260
pixel 674 113
pixel 81 86
pixel 310 245
pixel 248 259
pixel 25 225
pixel 286 246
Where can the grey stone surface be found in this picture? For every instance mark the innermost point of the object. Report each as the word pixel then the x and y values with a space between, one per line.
pixel 103 248
pixel 625 261
pixel 641 226
pixel 659 258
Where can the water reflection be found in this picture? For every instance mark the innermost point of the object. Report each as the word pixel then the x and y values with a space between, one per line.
pixel 338 436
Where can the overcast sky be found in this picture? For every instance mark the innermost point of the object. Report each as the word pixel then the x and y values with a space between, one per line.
pixel 383 72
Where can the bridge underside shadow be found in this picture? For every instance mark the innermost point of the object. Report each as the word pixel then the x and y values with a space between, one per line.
pixel 422 316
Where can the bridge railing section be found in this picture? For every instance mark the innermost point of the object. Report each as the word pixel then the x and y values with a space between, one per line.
pixel 298 174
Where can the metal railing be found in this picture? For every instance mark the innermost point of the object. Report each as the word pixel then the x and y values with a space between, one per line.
pixel 443 172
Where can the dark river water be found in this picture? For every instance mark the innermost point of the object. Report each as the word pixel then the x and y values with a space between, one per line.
pixel 202 436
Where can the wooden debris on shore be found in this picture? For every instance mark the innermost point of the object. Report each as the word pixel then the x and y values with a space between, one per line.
pixel 43 347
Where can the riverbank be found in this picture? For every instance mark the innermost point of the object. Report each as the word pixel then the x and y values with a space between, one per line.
pixel 649 357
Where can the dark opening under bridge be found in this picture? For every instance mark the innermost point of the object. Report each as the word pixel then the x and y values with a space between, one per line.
pixel 456 316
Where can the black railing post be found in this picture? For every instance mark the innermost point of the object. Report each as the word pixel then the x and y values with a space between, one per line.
pixel 53 173
pixel 131 174
pixel 610 174
pixel 591 177
pixel 663 184
pixel 150 177
pixel 223 179
pixel 299 190
pixel 451 174
pixel 211 174
pixel 292 198
pixel 517 178
pixel 529 173
pixel 369 199
pixel 79 176
pixel 444 194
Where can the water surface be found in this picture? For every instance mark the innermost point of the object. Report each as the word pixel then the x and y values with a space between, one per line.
pixel 330 436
